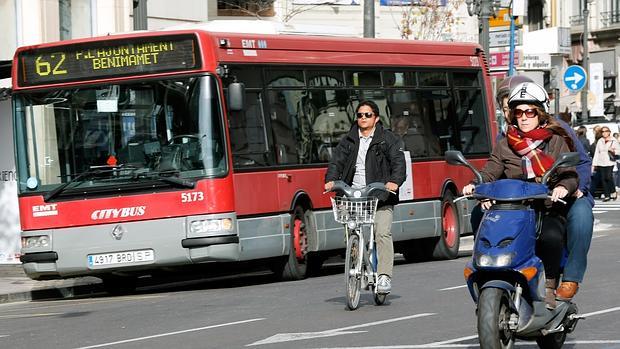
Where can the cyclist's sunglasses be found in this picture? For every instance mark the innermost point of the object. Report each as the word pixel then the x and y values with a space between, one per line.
pixel 529 113
pixel 368 115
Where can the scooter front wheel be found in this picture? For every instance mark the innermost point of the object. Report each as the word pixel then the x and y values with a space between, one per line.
pixel 493 317
pixel 352 271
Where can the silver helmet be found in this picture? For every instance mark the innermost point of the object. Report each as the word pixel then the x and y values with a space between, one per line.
pixel 529 93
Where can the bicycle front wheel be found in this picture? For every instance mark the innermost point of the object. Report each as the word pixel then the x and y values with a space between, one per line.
pixel 352 271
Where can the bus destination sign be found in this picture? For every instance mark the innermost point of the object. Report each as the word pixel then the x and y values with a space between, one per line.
pixel 108 59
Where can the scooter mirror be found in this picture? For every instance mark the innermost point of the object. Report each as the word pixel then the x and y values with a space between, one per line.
pixel 455 157
pixel 564 160
pixel 568 159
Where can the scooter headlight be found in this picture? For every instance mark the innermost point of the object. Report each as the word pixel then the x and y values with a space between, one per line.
pixel 501 260
pixel 351 225
pixel 484 260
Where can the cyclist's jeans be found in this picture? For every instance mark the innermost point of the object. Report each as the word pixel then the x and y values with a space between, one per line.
pixel 579 235
pixel 383 238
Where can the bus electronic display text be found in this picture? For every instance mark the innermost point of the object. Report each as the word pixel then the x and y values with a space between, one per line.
pixel 107 59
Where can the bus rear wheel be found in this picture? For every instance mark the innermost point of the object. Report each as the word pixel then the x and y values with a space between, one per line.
pixel 447 245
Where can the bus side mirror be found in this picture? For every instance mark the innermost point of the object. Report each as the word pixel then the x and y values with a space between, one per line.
pixel 236 96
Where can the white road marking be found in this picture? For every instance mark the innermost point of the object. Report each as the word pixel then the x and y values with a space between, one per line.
pixel 287 337
pixel 594 211
pixel 72 302
pixel 452 288
pixel 451 343
pixel 170 333
pixel 3 335
pixel 598 236
pixel 22 316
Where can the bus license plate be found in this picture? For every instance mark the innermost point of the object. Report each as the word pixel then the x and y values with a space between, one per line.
pixel 117 258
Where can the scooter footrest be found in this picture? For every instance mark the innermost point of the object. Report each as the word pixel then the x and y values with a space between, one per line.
pixel 555 330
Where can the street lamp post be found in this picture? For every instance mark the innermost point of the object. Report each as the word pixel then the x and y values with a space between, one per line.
pixel 585 62
pixel 484 10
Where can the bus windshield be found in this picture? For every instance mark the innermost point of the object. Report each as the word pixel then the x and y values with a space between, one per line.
pixel 125 136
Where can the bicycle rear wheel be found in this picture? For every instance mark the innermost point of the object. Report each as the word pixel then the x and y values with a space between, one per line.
pixel 352 275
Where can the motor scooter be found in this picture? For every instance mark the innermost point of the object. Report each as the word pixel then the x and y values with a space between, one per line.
pixel 505 277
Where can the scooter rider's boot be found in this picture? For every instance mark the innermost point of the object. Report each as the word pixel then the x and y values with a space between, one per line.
pixel 550 285
pixel 567 291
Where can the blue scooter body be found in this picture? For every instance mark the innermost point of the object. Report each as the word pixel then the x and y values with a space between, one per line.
pixel 504 254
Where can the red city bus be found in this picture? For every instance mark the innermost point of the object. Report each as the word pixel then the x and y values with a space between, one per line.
pixel 145 151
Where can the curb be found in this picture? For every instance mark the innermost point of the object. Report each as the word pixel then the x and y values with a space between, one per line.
pixel 52 293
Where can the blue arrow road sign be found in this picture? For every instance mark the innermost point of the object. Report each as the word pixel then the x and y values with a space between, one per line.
pixel 575 78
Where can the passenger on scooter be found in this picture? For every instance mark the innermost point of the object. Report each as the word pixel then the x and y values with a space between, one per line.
pixel 534 139
pixel 580 220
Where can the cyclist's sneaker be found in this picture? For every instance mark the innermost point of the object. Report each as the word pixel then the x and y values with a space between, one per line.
pixel 384 285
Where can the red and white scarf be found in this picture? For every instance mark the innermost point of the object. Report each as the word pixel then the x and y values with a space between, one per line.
pixel 534 161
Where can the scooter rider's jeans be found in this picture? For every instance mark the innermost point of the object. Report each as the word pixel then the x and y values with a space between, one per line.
pixel 579 228
pixel 383 238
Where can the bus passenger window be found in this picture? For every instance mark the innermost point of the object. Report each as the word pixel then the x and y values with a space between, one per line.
pixel 332 119
pixel 412 125
pixel 471 115
pixel 283 126
pixel 247 133
pixel 439 108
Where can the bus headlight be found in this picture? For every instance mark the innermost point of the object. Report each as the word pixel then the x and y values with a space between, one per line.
pixel 36 241
pixel 222 225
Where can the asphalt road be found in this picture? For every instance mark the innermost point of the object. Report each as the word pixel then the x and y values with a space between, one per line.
pixel 428 308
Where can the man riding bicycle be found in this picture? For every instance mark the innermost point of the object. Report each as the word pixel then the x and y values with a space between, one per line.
pixel 369 153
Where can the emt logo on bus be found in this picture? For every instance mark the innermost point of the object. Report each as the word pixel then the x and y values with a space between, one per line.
pixel 44 210
pixel 249 43
pixel 124 212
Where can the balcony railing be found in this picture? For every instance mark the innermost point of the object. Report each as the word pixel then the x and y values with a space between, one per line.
pixel 610 18
pixel 576 20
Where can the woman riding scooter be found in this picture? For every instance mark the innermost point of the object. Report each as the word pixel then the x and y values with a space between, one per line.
pixel 533 141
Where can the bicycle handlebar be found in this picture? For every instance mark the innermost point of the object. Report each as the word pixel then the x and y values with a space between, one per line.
pixel 374 189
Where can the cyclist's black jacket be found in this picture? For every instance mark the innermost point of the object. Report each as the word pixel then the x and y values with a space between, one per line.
pixel 385 161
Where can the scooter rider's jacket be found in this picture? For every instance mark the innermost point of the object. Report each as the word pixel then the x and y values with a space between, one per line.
pixel 385 160
pixel 505 163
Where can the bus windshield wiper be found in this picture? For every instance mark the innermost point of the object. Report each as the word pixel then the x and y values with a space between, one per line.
pixel 92 171
pixel 161 176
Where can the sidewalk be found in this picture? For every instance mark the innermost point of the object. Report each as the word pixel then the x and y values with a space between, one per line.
pixel 15 286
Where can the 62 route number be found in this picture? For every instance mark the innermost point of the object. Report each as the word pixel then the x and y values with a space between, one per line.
pixel 192 196
pixel 53 65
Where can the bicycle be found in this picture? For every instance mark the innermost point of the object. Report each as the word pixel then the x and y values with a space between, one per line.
pixel 356 209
